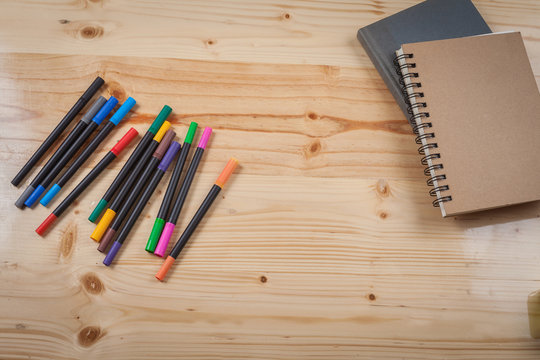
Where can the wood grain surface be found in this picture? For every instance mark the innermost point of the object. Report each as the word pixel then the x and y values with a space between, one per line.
pixel 323 246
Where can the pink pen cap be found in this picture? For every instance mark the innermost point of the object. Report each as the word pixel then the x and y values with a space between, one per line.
pixel 164 239
pixel 204 138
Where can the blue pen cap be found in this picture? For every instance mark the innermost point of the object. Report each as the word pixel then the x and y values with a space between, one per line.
pixel 34 196
pixel 122 111
pixel 50 195
pixel 105 110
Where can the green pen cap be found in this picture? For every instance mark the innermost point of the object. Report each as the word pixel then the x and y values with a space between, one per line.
pixel 102 205
pixel 160 119
pixel 154 235
pixel 191 132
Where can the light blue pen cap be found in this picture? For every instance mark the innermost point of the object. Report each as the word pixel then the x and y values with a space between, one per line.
pixel 122 111
pixel 105 110
pixel 46 199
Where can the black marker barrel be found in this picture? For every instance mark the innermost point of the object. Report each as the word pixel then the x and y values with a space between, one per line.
pixel 68 118
pixel 214 191
pixel 136 191
pixel 141 203
pixel 102 114
pixel 171 189
pixel 168 229
pixel 134 157
pixel 69 140
pixel 89 150
pixel 133 176
pixel 88 179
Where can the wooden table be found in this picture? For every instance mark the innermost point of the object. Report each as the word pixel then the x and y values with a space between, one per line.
pixel 324 246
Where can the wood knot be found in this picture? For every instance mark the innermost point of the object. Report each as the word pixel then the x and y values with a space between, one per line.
pixel 77 212
pixel 313 116
pixel 115 89
pixel 68 240
pixel 286 16
pixel 372 297
pixel 263 279
pixel 382 188
pixel 89 335
pixel 89 32
pixel 92 283
pixel 210 42
pixel 82 30
pixel 383 215
pixel 20 326
pixel 9 265
pixel 331 73
pixel 312 149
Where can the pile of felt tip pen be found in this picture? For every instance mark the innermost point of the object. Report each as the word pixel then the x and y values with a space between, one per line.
pixel 123 202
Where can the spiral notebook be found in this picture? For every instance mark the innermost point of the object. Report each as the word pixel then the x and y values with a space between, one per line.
pixel 476 108
pixel 429 20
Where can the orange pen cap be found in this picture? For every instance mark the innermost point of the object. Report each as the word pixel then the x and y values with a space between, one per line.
pixel 226 173
pixel 165 268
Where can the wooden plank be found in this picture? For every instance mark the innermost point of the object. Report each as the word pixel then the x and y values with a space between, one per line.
pixel 292 32
pixel 323 246
pixel 280 119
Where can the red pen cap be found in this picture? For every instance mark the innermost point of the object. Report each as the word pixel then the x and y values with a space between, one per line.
pixel 124 141
pixel 45 224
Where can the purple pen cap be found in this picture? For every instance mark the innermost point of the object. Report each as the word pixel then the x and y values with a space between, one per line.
pixel 169 156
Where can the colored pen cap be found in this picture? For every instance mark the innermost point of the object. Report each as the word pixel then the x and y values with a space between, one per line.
pixel 103 225
pixel 169 156
pixel 112 253
pixel 106 239
pixel 163 114
pixel 164 144
pixel 87 117
pixel 165 237
pixel 162 130
pixel 34 196
pixel 204 138
pixel 45 200
pixel 226 173
pixel 123 110
pixel 191 132
pixel 154 235
pixel 105 110
pixel 102 204
pixel 165 267
pixel 124 141
pixel 45 224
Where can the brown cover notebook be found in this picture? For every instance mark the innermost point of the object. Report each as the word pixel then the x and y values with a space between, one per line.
pixel 476 106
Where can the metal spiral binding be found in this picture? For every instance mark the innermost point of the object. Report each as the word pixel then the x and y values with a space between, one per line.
pixel 414 87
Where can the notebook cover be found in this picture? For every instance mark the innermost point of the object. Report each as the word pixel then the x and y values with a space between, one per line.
pixel 429 20
pixel 484 108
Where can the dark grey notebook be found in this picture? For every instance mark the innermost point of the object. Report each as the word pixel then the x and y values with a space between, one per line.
pixel 429 20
